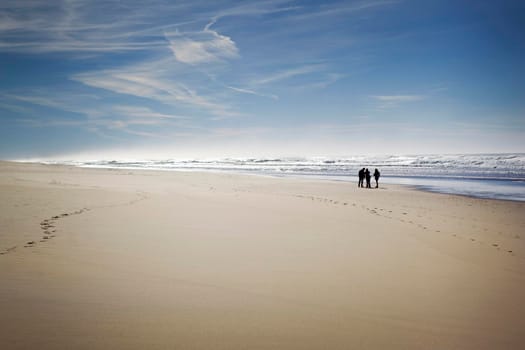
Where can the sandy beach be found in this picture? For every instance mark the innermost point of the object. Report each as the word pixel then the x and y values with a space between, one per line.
pixel 126 259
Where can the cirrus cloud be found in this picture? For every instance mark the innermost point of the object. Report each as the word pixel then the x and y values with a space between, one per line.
pixel 201 47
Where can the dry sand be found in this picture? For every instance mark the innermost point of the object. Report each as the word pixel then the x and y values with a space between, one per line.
pixel 176 260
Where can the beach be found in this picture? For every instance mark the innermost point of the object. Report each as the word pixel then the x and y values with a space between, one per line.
pixel 145 259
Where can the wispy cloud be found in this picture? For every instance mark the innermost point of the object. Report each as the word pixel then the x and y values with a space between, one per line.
pixel 150 84
pixel 74 26
pixel 342 9
pixel 185 29
pixel 257 8
pixel 398 98
pixel 37 100
pixel 287 74
pixel 252 92
pixel 393 101
pixel 142 112
pixel 102 117
pixel 101 127
pixel 201 47
pixel 83 27
pixel 89 26
pixel 323 81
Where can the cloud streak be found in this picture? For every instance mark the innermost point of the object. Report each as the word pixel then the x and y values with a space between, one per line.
pixel 344 9
pixel 287 74
pixel 202 47
pixel 73 26
pixel 195 52
pixel 95 119
pixel 90 26
pixel 82 27
pixel 252 92
pixel 398 98
pixel 150 84
pixel 394 101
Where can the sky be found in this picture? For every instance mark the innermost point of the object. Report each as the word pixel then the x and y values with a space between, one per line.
pixel 195 79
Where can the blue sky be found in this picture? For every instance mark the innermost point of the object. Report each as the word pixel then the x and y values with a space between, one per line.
pixel 158 78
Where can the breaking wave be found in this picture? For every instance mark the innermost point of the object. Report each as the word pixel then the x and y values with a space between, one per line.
pixel 494 166
pixel 500 176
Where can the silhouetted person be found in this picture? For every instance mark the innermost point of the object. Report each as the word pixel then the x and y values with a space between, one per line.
pixel 367 176
pixel 376 176
pixel 361 177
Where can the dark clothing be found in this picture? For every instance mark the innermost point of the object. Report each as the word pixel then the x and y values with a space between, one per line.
pixel 376 177
pixel 367 176
pixel 361 175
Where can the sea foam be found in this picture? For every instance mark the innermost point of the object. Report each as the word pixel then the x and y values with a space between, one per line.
pixel 499 176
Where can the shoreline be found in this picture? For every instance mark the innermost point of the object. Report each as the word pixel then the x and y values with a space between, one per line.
pixel 154 259
pixel 427 182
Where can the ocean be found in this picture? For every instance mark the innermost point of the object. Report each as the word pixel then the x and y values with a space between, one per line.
pixel 496 176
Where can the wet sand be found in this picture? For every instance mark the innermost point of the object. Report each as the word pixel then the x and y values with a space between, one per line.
pixel 125 259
